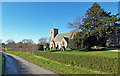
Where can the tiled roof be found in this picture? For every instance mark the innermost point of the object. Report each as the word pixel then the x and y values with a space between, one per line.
pixel 67 39
pixel 59 37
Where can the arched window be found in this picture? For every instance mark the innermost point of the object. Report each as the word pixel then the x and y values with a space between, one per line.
pixel 63 43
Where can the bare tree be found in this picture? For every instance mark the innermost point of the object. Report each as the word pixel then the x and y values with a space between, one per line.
pixel 43 40
pixel 77 24
pixel 10 41
pixel 20 45
pixel 27 41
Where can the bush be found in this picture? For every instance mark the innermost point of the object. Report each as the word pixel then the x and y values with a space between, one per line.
pixel 98 63
pixel 40 47
pixel 84 40
pixel 68 49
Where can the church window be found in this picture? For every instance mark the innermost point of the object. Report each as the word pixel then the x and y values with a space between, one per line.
pixel 63 43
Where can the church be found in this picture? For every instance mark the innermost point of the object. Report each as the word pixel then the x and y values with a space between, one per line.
pixel 62 40
pixel 59 40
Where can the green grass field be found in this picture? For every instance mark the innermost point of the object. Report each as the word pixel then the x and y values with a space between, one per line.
pixel 54 66
pixel 97 53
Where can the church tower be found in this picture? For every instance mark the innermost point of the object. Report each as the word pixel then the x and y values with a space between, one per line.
pixel 53 33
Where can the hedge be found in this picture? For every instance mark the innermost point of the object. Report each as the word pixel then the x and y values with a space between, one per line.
pixel 98 63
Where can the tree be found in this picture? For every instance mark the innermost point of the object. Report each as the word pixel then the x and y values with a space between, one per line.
pixel 94 17
pixel 77 25
pixel 81 41
pixel 20 45
pixel 94 27
pixel 100 22
pixel 3 45
pixel 10 43
pixel 43 40
pixel 27 41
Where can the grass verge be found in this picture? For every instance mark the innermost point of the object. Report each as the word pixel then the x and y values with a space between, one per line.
pixel 52 65
pixel 1 65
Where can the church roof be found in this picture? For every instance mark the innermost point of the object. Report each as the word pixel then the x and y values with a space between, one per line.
pixel 67 39
pixel 59 37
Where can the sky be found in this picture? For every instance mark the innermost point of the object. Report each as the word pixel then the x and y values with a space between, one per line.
pixel 59 0
pixel 33 20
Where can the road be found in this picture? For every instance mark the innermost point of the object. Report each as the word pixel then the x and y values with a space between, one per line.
pixel 17 65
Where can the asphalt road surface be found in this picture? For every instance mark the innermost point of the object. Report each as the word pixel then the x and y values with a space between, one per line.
pixel 17 65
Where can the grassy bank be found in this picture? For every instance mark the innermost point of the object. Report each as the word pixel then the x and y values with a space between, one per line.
pixel 52 65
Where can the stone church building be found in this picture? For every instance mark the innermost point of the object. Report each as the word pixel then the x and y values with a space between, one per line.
pixel 59 40
pixel 62 40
